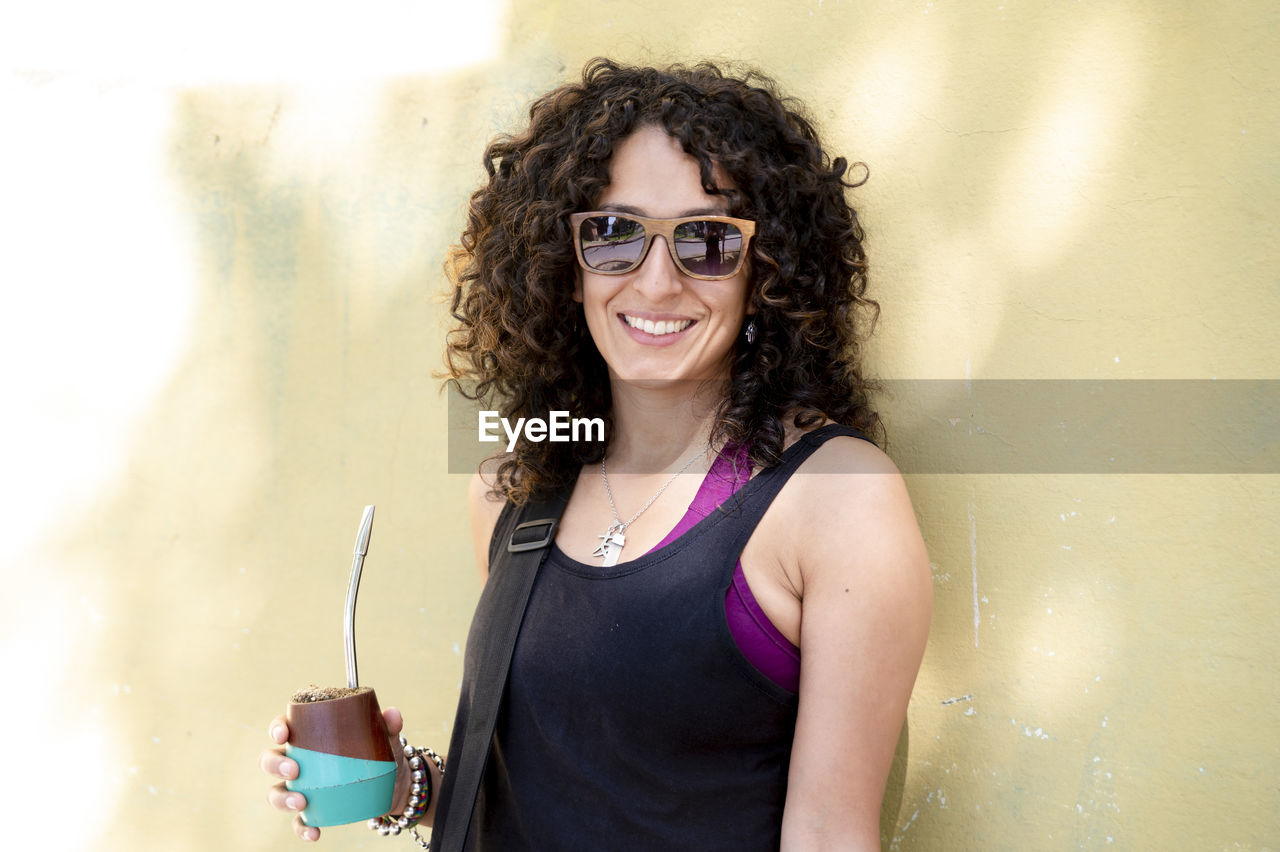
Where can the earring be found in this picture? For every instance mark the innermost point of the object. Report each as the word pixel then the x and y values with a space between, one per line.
pixel 750 332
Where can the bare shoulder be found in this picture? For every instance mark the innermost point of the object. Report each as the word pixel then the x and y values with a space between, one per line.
pixel 844 468
pixel 845 451
pixel 841 473
pixel 849 498
pixel 483 508
pixel 847 454
pixel 845 521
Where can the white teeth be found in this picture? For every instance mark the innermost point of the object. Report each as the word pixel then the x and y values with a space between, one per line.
pixel 657 328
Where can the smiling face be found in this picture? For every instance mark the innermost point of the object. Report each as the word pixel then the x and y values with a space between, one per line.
pixel 655 322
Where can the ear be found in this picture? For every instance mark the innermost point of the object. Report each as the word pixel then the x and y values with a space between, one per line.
pixel 577 285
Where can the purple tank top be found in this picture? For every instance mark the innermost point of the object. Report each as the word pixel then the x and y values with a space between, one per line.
pixel 756 636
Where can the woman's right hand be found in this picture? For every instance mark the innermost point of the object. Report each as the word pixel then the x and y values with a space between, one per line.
pixel 275 764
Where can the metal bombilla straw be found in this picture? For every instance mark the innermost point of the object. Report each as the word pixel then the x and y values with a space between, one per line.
pixel 357 563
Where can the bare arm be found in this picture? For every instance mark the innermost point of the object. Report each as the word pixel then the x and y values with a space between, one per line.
pixel 866 599
pixel 483 511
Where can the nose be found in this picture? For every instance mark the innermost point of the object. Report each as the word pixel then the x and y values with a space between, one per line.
pixel 658 277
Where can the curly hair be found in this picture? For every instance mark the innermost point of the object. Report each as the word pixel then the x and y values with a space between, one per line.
pixel 521 340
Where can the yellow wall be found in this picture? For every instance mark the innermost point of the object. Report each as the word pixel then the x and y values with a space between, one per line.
pixel 222 251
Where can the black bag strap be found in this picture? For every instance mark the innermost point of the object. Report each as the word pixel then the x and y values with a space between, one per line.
pixel 521 541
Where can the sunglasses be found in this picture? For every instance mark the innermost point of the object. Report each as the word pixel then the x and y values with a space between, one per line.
pixel 706 247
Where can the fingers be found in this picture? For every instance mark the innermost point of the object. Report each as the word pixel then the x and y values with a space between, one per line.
pixel 395 722
pixel 306 832
pixel 277 765
pixel 285 800
pixel 278 730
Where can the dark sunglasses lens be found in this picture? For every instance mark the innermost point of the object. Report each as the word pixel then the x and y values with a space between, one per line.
pixel 610 243
pixel 709 248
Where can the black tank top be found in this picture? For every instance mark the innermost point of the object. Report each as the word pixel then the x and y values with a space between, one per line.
pixel 631 719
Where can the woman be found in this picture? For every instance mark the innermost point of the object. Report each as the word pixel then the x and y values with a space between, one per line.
pixel 719 650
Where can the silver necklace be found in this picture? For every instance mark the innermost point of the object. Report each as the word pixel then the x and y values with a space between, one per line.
pixel 614 537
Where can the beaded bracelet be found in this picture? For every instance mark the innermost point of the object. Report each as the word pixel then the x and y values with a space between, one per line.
pixel 420 795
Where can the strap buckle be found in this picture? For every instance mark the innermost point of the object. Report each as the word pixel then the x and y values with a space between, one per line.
pixel 514 546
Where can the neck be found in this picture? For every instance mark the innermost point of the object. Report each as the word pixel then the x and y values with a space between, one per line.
pixel 659 428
